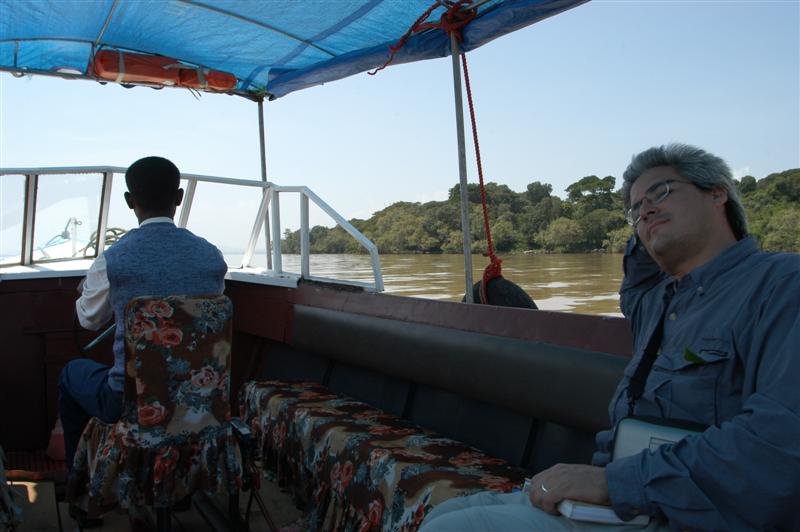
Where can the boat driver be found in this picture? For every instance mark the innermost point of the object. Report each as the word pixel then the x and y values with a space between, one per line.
pixel 158 258
pixel 728 360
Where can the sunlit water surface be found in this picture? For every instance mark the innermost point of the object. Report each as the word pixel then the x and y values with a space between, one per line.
pixel 583 283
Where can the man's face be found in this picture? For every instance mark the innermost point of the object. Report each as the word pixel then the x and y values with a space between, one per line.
pixel 677 224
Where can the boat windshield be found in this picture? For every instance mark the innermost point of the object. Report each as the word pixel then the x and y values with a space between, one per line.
pixel 52 218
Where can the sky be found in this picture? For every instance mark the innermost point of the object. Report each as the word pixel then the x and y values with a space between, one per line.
pixel 574 95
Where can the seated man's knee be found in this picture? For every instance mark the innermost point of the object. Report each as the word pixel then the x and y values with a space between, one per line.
pixel 63 378
pixel 475 502
pixel 67 375
pixel 69 378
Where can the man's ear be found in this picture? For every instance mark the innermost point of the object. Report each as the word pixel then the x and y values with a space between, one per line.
pixel 719 195
pixel 179 197
pixel 129 200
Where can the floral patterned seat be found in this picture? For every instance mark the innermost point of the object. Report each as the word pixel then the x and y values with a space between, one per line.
pixel 174 436
pixel 358 468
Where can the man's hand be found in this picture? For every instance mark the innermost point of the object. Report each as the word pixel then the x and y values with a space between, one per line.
pixel 569 481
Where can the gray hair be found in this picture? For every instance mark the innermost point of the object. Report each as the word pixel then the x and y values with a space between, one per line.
pixel 703 169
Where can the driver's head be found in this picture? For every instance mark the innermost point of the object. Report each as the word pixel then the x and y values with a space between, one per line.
pixel 153 186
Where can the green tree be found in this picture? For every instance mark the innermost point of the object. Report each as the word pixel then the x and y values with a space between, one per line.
pixel 562 235
pixel 537 191
pixel 591 193
pixel 335 240
pixel 290 242
pixel 765 206
pixel 617 239
pixel 504 236
pixel 454 243
pixel 536 218
pixel 595 226
pixel 746 185
pixel 782 231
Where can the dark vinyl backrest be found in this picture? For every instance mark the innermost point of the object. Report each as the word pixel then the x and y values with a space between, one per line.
pixel 568 386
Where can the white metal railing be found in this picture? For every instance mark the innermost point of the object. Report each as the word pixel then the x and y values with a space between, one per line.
pixel 270 193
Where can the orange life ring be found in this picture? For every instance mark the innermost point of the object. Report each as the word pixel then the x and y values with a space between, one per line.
pixel 129 67
pixel 205 79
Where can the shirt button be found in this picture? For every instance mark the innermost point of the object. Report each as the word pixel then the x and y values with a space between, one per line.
pixel 673 317
pixel 699 289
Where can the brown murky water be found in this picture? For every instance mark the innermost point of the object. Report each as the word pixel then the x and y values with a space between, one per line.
pixel 583 283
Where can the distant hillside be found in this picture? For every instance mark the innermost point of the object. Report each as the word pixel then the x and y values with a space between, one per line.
pixel 589 219
pixel 773 209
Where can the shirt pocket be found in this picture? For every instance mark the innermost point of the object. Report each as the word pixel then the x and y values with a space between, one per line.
pixel 686 379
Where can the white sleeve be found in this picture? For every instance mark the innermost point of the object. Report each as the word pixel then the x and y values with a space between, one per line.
pixel 93 307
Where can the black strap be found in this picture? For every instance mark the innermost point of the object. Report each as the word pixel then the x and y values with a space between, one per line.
pixel 639 378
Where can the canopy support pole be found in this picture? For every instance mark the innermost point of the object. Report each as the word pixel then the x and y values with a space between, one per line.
pixel 263 146
pixel 462 169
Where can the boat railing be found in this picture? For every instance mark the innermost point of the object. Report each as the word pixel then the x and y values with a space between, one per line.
pixel 268 219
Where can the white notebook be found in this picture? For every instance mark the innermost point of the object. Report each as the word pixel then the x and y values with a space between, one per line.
pixel 596 513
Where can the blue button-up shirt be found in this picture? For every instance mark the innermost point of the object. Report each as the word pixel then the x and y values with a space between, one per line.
pixel 730 359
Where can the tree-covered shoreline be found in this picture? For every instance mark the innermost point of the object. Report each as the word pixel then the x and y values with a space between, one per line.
pixel 590 219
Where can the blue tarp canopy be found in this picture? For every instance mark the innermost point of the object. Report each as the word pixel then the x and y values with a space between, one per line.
pixel 273 47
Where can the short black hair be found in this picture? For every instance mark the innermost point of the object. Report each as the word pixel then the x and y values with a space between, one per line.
pixel 153 182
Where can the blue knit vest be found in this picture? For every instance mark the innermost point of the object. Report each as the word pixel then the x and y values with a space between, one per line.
pixel 157 259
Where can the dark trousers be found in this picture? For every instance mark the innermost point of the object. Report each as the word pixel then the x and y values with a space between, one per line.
pixel 84 393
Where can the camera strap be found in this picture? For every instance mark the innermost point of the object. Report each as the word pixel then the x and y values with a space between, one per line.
pixel 639 378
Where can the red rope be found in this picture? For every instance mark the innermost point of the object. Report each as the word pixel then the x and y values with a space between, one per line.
pixel 451 22
pixel 494 268
pixel 455 18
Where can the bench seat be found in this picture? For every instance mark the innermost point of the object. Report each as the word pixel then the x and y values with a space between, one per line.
pixel 360 468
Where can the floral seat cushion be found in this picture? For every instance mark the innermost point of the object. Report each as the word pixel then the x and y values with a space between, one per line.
pixel 359 468
pixel 174 436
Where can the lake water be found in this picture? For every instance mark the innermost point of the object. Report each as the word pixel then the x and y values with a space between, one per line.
pixel 583 283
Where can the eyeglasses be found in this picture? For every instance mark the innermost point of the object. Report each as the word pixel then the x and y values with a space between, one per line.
pixel 654 195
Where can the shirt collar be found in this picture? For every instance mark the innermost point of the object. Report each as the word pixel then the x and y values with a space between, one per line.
pixel 157 220
pixel 704 275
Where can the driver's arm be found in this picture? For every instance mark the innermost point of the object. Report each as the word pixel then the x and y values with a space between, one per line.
pixel 93 306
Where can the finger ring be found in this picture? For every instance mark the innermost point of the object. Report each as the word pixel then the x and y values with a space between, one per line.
pixel 545 489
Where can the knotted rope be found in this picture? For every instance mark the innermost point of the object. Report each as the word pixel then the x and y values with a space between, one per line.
pixel 451 21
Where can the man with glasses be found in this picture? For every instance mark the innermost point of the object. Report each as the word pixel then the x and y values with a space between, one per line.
pixel 728 360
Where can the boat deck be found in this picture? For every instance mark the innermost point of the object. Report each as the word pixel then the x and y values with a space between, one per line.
pixel 38 501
